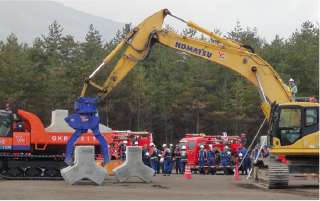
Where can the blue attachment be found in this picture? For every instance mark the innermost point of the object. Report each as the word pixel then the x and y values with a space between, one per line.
pixel 85 119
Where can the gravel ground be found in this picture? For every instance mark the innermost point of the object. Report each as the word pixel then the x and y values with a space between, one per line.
pixel 174 187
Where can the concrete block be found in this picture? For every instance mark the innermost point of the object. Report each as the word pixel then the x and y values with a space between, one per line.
pixel 133 167
pixel 85 167
pixel 58 124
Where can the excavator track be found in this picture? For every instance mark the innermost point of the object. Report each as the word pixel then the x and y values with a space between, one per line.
pixel 271 173
pixel 31 167
pixel 30 178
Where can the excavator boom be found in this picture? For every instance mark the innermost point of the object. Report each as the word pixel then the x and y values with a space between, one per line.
pixel 229 54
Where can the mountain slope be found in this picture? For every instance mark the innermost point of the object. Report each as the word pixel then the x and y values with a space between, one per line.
pixel 29 20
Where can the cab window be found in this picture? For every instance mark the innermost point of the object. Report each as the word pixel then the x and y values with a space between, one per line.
pixel 191 145
pixel 311 117
pixel 181 144
pixel 289 128
pixel 5 125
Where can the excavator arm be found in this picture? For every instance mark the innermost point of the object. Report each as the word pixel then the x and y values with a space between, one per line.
pixel 229 54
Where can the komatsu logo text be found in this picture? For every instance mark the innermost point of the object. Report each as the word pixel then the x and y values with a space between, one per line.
pixel 189 48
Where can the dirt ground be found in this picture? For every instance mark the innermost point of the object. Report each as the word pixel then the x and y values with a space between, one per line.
pixel 174 187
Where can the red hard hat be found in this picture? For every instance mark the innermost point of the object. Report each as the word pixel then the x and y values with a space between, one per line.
pixel 7 105
pixel 313 100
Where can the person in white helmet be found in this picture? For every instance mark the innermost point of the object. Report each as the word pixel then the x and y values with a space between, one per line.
pixel 184 159
pixel 173 160
pixel 176 155
pixel 292 88
pixel 240 161
pixel 211 159
pixel 166 159
pixel 123 150
pixel 201 160
pixel 145 155
pixel 223 160
pixel 136 143
pixel 153 157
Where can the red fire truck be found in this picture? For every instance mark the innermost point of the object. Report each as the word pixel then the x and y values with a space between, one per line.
pixel 194 141
pixel 119 137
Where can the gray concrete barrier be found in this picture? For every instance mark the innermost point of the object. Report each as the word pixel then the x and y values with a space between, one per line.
pixel 84 167
pixel 133 167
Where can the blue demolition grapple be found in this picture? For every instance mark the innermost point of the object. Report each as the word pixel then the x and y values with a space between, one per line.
pixel 85 119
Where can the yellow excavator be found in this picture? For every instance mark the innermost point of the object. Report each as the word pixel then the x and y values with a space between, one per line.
pixel 293 126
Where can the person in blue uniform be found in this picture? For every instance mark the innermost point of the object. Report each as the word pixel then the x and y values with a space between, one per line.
pixel 176 154
pixel 247 160
pixel 145 155
pixel 184 159
pixel 153 157
pixel 223 160
pixel 229 163
pixel 166 159
pixel 123 150
pixel 211 160
pixel 201 160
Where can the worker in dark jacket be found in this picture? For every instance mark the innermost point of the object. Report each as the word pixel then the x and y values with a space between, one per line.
pixel 145 155
pixel 201 160
pixel 239 161
pixel 173 160
pixel 123 150
pixel 153 157
pixel 184 159
pixel 176 155
pixel 159 164
pixel 166 159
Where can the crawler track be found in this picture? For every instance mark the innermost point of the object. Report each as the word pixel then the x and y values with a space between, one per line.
pixel 31 167
pixel 272 173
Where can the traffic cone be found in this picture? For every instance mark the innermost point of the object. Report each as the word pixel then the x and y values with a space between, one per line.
pixel 187 173
pixel 236 174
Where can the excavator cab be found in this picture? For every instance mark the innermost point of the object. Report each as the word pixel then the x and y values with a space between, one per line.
pixel 292 122
pixel 6 123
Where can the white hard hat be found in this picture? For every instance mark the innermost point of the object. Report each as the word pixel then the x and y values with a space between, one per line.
pixel 210 145
pixel 136 143
pixel 125 142
pixel 164 145
pixel 226 147
pixel 151 144
pixel 291 80
pixel 240 154
pixel 171 145
pixel 201 146
pixel 229 153
pixel 183 147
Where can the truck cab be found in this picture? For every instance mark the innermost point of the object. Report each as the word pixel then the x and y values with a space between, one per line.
pixel 14 134
pixel 193 142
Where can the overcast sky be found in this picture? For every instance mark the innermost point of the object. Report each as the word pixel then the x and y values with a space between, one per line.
pixel 270 17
